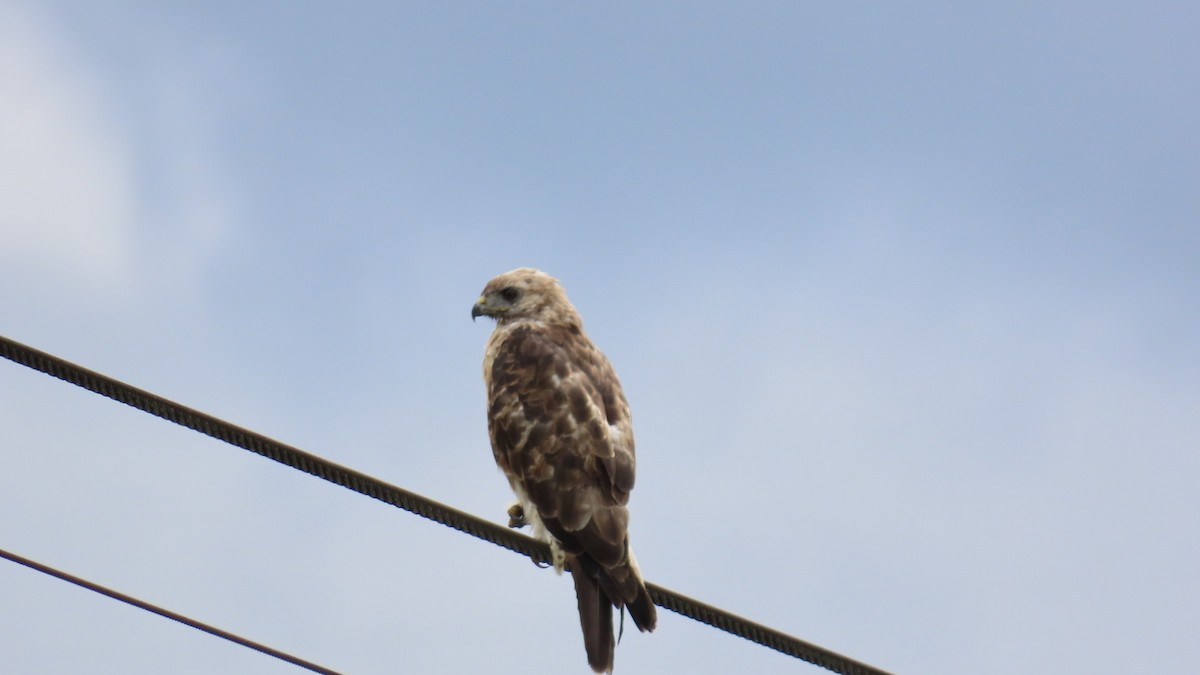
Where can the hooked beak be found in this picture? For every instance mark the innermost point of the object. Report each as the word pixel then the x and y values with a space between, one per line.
pixel 478 309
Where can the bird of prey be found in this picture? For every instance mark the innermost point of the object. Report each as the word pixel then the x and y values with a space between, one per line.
pixel 561 432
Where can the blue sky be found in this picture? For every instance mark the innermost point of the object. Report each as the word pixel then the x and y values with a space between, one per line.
pixel 904 297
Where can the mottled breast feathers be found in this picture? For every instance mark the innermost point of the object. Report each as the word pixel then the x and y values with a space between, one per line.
pixel 561 425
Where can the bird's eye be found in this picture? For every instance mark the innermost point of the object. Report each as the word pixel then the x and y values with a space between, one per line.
pixel 510 294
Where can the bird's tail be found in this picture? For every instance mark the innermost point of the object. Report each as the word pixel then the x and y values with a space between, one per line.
pixel 598 590
pixel 633 591
pixel 595 616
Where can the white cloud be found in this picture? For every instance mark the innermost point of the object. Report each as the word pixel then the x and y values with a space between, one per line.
pixel 67 194
pixel 107 179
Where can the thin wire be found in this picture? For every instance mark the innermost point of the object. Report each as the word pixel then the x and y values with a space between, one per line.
pixel 410 501
pixel 141 604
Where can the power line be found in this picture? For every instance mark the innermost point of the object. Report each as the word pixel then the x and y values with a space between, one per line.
pixel 142 604
pixel 409 501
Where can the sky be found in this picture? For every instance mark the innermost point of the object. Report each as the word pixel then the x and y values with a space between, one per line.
pixel 904 296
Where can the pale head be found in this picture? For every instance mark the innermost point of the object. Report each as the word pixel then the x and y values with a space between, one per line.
pixel 526 294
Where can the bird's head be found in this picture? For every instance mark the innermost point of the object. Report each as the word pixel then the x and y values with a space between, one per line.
pixel 525 293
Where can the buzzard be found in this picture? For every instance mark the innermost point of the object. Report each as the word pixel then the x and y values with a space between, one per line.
pixel 562 434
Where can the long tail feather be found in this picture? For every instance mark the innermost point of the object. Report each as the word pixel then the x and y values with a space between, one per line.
pixel 595 617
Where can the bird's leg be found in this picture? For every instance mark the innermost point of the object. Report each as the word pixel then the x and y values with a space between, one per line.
pixel 516 516
pixel 558 558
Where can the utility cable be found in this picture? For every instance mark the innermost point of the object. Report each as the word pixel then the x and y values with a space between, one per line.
pixel 409 501
pixel 142 604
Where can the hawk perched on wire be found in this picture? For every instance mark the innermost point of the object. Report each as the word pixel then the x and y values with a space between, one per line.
pixel 561 432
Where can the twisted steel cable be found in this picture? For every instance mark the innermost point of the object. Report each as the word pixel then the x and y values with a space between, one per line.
pixel 409 501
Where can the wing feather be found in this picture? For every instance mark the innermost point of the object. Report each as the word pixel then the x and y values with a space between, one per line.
pixel 560 416
pixel 561 430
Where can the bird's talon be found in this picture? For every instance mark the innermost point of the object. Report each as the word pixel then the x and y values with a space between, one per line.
pixel 516 517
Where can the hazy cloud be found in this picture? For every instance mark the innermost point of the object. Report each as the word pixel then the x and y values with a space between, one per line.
pixel 68 200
